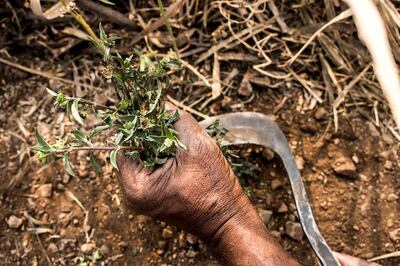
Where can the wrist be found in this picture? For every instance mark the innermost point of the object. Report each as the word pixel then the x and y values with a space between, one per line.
pixel 244 240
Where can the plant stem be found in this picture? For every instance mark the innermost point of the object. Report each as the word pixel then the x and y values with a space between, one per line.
pixel 168 25
pixel 75 14
pixel 90 148
pixel 93 103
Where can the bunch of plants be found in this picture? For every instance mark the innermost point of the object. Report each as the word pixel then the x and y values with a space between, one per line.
pixel 139 124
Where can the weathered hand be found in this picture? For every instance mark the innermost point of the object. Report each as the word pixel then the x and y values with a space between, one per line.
pixel 195 190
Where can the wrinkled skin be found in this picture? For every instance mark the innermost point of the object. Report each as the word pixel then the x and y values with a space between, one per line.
pixel 197 191
pixel 196 187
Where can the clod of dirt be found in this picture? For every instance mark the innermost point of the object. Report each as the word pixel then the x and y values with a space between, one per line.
pixel 276 234
pixel 344 166
pixel 355 159
pixel 105 250
pixel 268 154
pixel 245 88
pixel 87 248
pixel 14 222
pixel 191 239
pixel 283 208
pixel 294 230
pixel 265 215
pixel 45 191
pixel 300 162
pixel 276 183
pixel 395 235
pixel 321 113
pixel 392 197
pixel 167 233
pixel 191 254
pixel 52 248
pixel 388 165
pixel 66 178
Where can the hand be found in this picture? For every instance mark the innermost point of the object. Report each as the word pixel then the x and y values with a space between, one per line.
pixel 346 260
pixel 197 191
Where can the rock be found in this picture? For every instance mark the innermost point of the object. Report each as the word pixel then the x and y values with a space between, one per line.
pixel 181 240
pixel 394 235
pixel 321 113
pixel 392 197
pixel 52 248
pixel 265 215
pixel 14 222
pixel 388 165
pixel 167 233
pixel 283 208
pixel 109 188
pixel 191 254
pixel 66 178
pixel 364 178
pixel 45 191
pixel 105 250
pixel 275 184
pixel 294 230
pixel 387 138
pixel 268 154
pixel 276 234
pixel 344 166
pixel 355 159
pixel 87 248
pixel 390 223
pixel 162 244
pixel 191 239
pixel 299 162
pixel 245 88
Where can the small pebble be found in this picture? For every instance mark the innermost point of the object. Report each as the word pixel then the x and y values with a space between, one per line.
pixel 265 215
pixel 14 222
pixel 87 248
pixel 45 191
pixel 105 250
pixel 52 248
pixel 294 230
pixel 283 208
pixel 167 233
pixel 392 197
pixel 276 183
pixel 300 162
pixel 191 254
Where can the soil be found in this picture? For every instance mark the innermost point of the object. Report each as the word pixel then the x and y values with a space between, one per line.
pixel 68 221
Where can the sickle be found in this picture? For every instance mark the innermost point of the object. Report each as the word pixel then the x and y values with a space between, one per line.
pixel 256 128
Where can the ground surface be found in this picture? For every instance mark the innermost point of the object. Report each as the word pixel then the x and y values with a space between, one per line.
pixel 67 221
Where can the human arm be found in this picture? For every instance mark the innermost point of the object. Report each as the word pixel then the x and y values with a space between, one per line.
pixel 198 192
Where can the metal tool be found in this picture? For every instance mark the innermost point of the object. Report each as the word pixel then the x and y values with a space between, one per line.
pixel 256 128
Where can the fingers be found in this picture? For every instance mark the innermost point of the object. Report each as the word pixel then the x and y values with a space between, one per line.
pixel 347 260
pixel 128 169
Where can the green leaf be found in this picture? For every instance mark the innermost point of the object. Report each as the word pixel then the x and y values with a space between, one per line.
pixel 153 105
pixel 44 146
pixel 94 163
pixel 75 112
pixel 51 92
pixel 118 138
pixel 107 2
pixel 67 165
pixel 113 158
pixel 97 130
pixel 80 136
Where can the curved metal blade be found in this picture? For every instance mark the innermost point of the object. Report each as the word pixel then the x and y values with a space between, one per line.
pixel 256 128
